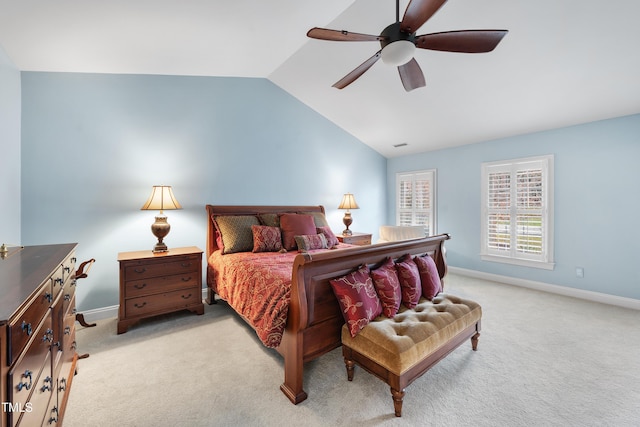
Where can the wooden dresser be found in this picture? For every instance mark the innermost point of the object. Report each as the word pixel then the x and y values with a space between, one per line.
pixel 37 333
pixel 158 283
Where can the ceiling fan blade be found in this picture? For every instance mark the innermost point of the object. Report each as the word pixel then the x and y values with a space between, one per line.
pixel 411 75
pixel 352 76
pixel 341 36
pixel 418 12
pixel 465 41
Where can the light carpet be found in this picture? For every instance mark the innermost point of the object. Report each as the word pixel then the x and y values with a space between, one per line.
pixel 542 360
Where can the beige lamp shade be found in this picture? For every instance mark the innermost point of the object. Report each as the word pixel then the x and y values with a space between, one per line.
pixel 161 199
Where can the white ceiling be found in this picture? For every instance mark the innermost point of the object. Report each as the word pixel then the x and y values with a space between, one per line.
pixel 563 62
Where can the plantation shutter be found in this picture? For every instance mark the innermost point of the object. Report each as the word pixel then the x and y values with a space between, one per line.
pixel 517 209
pixel 415 193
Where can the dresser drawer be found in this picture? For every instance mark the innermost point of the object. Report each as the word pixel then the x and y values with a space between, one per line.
pixel 24 326
pixel 145 269
pixel 33 410
pixel 161 302
pixel 155 285
pixel 24 375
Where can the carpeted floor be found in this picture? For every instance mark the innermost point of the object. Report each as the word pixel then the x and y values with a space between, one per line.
pixel 542 360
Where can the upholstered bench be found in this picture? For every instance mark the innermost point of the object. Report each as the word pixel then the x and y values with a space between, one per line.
pixel 401 349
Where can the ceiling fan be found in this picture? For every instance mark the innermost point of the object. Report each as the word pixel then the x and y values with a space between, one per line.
pixel 398 42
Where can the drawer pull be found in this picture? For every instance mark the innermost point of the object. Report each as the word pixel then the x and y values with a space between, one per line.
pixel 58 280
pixel 186 279
pixel 74 345
pixel 54 419
pixel 186 296
pixel 27 386
pixel 140 286
pixel 136 305
pixel 67 297
pixel 67 330
pixel 48 335
pixel 48 297
pixel 63 385
pixel 45 386
pixel 26 327
pixel 185 264
pixel 67 269
pixel 140 270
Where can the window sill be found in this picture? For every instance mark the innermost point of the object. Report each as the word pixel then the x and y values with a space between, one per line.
pixel 521 262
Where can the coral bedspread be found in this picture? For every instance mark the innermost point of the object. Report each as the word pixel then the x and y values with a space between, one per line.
pixel 258 287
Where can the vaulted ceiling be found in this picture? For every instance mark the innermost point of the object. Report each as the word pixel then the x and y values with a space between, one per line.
pixel 562 63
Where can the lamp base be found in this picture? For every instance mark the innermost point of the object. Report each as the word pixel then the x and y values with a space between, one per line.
pixel 347 232
pixel 160 229
pixel 347 220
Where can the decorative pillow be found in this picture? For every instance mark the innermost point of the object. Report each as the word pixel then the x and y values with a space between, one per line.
pixel 235 231
pixel 293 225
pixel 269 219
pixel 266 239
pixel 307 242
pixel 332 240
pixel 429 277
pixel 318 218
pixel 409 278
pixel 358 299
pixel 387 284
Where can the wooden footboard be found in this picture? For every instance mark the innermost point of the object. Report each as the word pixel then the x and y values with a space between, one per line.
pixel 314 320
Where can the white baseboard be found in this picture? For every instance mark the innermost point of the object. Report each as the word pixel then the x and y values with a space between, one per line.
pixel 96 314
pixel 555 289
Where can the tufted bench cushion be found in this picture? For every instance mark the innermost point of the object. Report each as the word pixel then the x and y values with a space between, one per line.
pixel 400 349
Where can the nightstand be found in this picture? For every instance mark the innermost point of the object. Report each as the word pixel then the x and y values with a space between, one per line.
pixel 159 283
pixel 360 239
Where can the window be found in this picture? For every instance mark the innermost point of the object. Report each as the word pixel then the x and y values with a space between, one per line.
pixel 517 212
pixel 415 199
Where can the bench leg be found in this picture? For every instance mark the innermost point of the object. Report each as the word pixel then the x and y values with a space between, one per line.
pixel 474 341
pixel 350 364
pixel 397 401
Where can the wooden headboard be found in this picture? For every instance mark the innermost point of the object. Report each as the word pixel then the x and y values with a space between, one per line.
pixel 246 210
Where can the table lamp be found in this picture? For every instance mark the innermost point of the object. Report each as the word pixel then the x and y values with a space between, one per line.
pixel 348 202
pixel 161 199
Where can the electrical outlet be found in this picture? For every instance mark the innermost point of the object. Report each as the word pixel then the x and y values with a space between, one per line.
pixel 579 272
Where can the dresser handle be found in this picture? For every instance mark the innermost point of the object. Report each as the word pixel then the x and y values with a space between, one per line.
pixel 58 280
pixel 140 270
pixel 63 385
pixel 186 297
pixel 136 305
pixel 186 279
pixel 48 335
pixel 67 330
pixel 48 297
pixel 26 327
pixel 21 385
pixel 141 286
pixel 67 269
pixel 45 386
pixel 74 345
pixel 54 419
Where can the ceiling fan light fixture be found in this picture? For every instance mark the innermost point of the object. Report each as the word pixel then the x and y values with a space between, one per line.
pixel 398 53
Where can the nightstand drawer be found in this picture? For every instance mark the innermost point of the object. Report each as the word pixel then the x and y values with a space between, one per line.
pixel 355 239
pixel 145 269
pixel 160 302
pixel 135 288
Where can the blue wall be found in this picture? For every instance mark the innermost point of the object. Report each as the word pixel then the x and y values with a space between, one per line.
pixel 9 151
pixel 596 202
pixel 93 145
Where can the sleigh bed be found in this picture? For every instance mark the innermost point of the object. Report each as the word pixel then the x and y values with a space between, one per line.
pixel 300 317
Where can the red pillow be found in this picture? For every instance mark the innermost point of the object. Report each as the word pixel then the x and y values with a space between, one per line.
pixel 358 299
pixel 293 225
pixel 385 279
pixel 429 277
pixel 266 239
pixel 409 278
pixel 332 240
